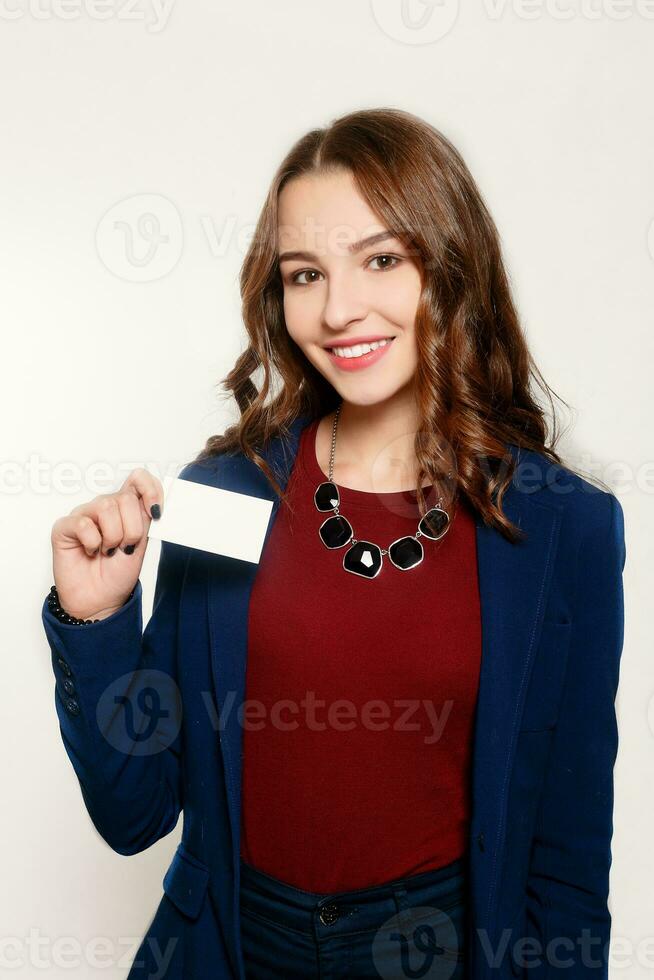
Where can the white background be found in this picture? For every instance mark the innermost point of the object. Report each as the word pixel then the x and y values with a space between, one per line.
pixel 114 357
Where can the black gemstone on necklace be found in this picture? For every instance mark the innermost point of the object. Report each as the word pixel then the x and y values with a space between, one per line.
pixel 363 558
pixel 434 524
pixel 326 496
pixel 406 553
pixel 335 531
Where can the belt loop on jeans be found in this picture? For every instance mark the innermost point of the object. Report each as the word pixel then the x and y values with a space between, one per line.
pixel 402 905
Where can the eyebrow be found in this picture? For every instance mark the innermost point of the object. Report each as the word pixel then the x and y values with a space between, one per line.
pixel 380 236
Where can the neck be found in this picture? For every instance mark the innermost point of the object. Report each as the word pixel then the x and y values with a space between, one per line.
pixel 377 441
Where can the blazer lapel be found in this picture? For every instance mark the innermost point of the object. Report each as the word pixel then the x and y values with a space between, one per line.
pixel 513 585
pixel 229 586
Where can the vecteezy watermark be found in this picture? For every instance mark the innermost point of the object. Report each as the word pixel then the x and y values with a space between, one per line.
pixel 424 942
pixel 415 21
pixel 154 14
pixel 341 715
pixel 140 238
pixel 427 21
pixel 417 942
pixel 140 712
pixel 43 952
pixel 64 477
pixel 561 952
pixel 570 9
pixel 565 10
pixel 41 476
pixel 421 932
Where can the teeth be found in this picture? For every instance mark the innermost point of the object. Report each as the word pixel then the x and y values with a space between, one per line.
pixel 360 349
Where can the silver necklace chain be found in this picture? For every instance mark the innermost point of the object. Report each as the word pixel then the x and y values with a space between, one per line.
pixel 335 508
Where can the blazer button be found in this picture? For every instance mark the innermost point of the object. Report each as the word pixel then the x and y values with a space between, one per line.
pixel 68 686
pixel 64 666
pixel 72 706
pixel 480 841
pixel 329 914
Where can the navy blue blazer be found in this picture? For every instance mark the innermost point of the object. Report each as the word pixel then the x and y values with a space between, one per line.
pixel 150 723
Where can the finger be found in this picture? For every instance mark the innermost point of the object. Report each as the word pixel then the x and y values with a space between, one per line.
pixel 106 512
pixel 78 529
pixel 148 488
pixel 131 514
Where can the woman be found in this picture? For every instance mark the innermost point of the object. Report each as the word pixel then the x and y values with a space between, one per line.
pixel 424 785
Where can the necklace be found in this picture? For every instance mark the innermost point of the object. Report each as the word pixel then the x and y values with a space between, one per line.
pixel 365 558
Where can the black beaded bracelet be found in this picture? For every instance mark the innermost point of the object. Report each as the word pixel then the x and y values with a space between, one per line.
pixel 64 617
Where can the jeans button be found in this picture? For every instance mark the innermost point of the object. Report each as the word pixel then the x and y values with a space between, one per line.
pixel 329 914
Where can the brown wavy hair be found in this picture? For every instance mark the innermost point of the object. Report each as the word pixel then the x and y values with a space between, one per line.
pixel 475 374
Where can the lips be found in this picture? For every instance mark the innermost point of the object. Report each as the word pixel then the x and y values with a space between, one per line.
pixel 361 362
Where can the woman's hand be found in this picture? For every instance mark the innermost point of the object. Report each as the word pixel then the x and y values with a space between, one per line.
pixel 94 571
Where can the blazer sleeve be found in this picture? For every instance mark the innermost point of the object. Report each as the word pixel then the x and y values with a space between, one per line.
pixel 119 710
pixel 568 882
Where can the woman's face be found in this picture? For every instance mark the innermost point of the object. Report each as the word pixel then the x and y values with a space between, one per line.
pixel 338 291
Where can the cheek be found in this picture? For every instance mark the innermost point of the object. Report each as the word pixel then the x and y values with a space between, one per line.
pixel 300 328
pixel 299 317
pixel 407 353
pixel 401 298
pixel 293 321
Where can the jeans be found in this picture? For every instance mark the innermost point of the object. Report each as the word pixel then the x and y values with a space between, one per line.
pixel 413 927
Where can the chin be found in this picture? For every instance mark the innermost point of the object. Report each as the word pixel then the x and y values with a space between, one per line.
pixel 362 398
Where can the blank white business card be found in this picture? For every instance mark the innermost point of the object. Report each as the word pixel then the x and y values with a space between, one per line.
pixel 212 519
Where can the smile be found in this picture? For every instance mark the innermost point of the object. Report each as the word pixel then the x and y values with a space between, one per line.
pixel 359 356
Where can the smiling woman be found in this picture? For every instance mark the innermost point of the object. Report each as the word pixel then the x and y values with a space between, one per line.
pixel 348 299
pixel 375 278
pixel 429 765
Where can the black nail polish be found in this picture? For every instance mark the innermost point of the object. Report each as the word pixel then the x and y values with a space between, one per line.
pixel 129 549
pixel 155 510
pixel 110 552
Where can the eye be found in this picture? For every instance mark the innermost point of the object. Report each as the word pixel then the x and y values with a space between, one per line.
pixel 396 259
pixel 303 272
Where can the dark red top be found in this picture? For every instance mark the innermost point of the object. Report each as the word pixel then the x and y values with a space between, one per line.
pixel 356 759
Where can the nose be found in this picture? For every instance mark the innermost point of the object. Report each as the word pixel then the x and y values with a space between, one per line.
pixel 345 303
